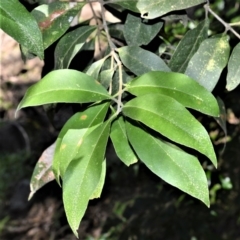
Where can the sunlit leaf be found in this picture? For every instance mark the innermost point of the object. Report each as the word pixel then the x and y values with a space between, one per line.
pixel 170 118
pixel 208 62
pixel 83 174
pixel 141 61
pixel 178 86
pixel 187 47
pixel 64 85
pixel 17 22
pixel 54 19
pixel 233 76
pixel 138 33
pixel 120 142
pixel 42 173
pixel 170 163
pixel 70 44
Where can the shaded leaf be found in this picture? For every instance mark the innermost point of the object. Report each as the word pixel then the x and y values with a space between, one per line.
pixel 188 46
pixel 170 163
pixel 233 76
pixel 141 61
pixel 17 22
pixel 178 86
pixel 128 4
pixel 106 77
pixel 208 62
pixel 170 118
pixel 120 142
pixel 157 8
pixel 42 173
pixel 70 44
pixel 83 174
pixel 95 68
pixel 54 19
pixel 138 33
pixel 92 116
pixel 64 85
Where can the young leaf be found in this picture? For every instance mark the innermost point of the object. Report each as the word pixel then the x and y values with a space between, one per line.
pixel 120 142
pixel 233 76
pixel 64 85
pixel 188 46
pixel 141 61
pixel 137 33
pixel 17 22
pixel 70 45
pixel 83 174
pixel 42 173
pixel 208 62
pixel 157 8
pixel 92 116
pixel 54 19
pixel 170 118
pixel 178 86
pixel 170 163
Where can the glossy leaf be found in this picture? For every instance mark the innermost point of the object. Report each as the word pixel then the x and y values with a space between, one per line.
pixel 92 116
pixel 95 68
pixel 120 142
pixel 168 117
pixel 65 85
pixel 70 44
pixel 157 8
pixel 208 62
pixel 178 86
pixel 170 163
pixel 54 19
pixel 106 77
pixel 42 173
pixel 188 46
pixel 141 61
pixel 138 33
pixel 83 174
pixel 17 22
pixel 233 76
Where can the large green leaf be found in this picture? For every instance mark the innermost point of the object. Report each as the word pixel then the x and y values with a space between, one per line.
pixel 92 116
pixel 64 85
pixel 178 86
pixel 138 33
pixel 233 76
pixel 17 22
pixel 54 19
pixel 157 8
pixel 208 62
pixel 187 47
pixel 141 61
pixel 170 163
pixel 170 118
pixel 70 45
pixel 120 142
pixel 84 174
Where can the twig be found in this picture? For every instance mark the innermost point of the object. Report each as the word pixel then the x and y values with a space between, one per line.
pixel 226 25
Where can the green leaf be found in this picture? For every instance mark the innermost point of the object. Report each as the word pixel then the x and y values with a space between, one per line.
pixel 83 174
pixel 106 77
pixel 170 163
pixel 92 116
pixel 178 86
pixel 65 85
pixel 233 76
pixel 17 22
pixel 188 46
pixel 157 8
pixel 42 173
pixel 170 118
pixel 120 142
pixel 95 68
pixel 128 4
pixel 54 19
pixel 70 44
pixel 141 61
pixel 208 62
pixel 138 33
